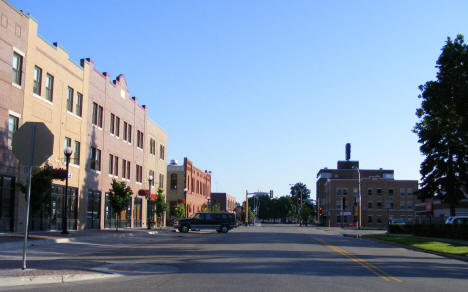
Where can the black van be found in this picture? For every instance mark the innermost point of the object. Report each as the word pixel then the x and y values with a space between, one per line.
pixel 221 222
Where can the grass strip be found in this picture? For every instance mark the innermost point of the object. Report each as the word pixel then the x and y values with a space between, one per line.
pixel 426 244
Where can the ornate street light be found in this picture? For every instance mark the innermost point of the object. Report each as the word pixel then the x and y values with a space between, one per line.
pixel 68 152
pixel 185 199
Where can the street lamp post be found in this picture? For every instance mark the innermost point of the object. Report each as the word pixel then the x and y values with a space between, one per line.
pixel 360 199
pixel 185 202
pixel 68 152
pixel 150 209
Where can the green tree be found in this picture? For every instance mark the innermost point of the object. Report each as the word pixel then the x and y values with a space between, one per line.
pixel 204 208
pixel 306 213
pixel 161 205
pixel 300 190
pixel 119 197
pixel 179 211
pixel 443 127
pixel 41 185
pixel 215 208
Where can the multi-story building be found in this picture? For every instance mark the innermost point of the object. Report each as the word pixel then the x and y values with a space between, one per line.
pixel 155 162
pixel 188 185
pixel 382 197
pixel 226 202
pixel 14 29
pixel 109 133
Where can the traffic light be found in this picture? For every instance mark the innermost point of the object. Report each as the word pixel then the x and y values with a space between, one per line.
pixel 320 212
pixel 298 199
pixel 271 194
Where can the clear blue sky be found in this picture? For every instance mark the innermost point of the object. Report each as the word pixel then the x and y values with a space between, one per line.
pixel 266 93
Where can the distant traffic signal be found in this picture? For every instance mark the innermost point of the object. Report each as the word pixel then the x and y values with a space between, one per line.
pixel 320 212
pixel 298 199
pixel 271 194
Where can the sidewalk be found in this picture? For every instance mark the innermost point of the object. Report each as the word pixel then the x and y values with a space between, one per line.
pixel 50 271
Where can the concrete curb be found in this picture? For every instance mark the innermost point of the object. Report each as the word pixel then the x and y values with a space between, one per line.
pixel 42 242
pixel 52 279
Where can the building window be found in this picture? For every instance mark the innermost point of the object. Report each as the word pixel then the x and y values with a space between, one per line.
pixel 138 173
pixel 12 127
pixel 117 126
pixel 128 169
pixel 37 80
pixel 410 205
pixel 338 191
pixel 125 131
pixel 70 99
pixel 402 205
pixel 124 168
pixel 49 87
pixel 17 66
pixel 79 104
pixel 116 166
pixel 402 192
pixel 369 205
pixel 139 139
pixel 379 220
pixel 112 123
pixel 409 191
pixel 174 181
pixel 379 192
pixel 161 181
pixel 369 219
pixel 390 192
pixel 95 158
pixel 76 153
pixel 355 192
pixel 129 140
pixel 379 205
pixel 369 192
pixel 152 146
pixel 162 151
pixel 338 219
pixel 111 164
pixel 338 204
pixel 97 115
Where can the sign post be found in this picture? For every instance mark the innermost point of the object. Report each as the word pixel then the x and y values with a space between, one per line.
pixel 32 144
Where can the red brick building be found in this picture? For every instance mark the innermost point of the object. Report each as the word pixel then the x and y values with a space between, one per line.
pixel 189 185
pixel 382 197
pixel 226 202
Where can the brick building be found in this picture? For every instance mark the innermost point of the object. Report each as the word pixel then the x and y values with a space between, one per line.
pixel 226 202
pixel 382 197
pixel 110 134
pixel 188 185
pixel 14 29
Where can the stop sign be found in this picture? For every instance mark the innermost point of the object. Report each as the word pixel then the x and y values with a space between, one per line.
pixel 33 143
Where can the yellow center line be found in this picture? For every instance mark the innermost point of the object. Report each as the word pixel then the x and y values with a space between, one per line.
pixel 365 264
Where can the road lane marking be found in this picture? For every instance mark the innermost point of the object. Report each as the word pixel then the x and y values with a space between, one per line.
pixel 365 264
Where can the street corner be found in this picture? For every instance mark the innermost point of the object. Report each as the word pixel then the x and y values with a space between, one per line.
pixel 19 277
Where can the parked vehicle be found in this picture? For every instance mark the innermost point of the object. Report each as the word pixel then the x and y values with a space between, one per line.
pixel 457 220
pixel 397 222
pixel 221 222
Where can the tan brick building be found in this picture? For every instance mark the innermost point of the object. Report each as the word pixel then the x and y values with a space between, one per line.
pixel 189 185
pixel 382 197
pixel 109 133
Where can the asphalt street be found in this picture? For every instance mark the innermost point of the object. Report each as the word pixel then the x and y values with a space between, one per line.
pixel 262 258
